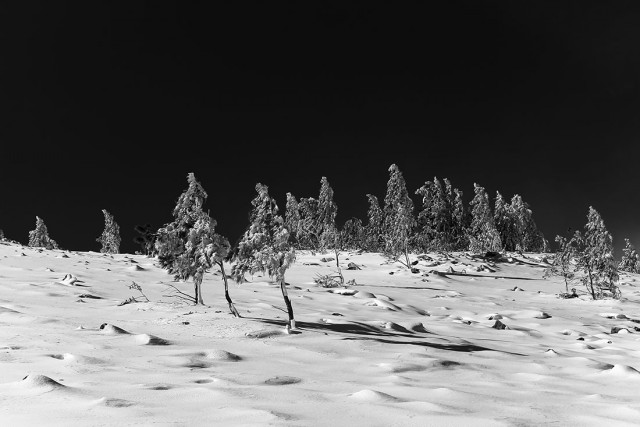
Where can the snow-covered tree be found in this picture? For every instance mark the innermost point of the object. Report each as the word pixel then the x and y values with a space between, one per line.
pixel 110 238
pixel 529 238
pixel 39 237
pixel 292 217
pixel 308 235
pixel 630 261
pixel 172 237
pixel 437 224
pixel 506 223
pixel 353 234
pixel 189 246
pixel 1 235
pixel 204 248
pixel 562 262
pixel 398 216
pixel 483 235
pixel 327 211
pixel 594 256
pixel 373 230
pixel 265 246
pixel 460 221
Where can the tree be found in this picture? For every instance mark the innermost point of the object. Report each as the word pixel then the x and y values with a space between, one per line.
pixel 398 216
pixel 292 217
pixel 353 234
pixel 373 229
pixel 110 238
pixel 172 237
pixel 594 256
pixel 562 263
pixel 308 234
pixel 483 235
pixel 630 261
pixel 39 237
pixel 460 221
pixel 265 246
pixel 146 238
pixel 506 223
pixel 189 246
pixel 205 248
pixel 326 219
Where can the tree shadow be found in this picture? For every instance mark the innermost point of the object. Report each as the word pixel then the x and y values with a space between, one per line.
pixel 363 331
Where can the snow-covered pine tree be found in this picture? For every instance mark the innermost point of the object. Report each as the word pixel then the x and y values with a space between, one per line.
pixel 205 248
pixel 110 238
pixel 308 235
pixel 373 229
pixel 292 218
pixel 529 238
pixel 562 262
pixel 460 222
pixel 630 261
pixel 436 221
pixel 594 256
pixel 39 237
pixel 483 235
pixel 265 246
pixel 1 235
pixel 506 223
pixel 172 237
pixel 353 235
pixel 398 216
pixel 327 211
pixel 189 246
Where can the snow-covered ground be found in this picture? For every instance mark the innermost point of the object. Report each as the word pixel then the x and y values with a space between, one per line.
pixel 399 348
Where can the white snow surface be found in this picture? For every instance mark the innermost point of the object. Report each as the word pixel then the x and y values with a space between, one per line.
pixel 401 349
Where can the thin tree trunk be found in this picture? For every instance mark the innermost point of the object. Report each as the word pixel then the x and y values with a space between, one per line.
pixel 593 293
pixel 338 265
pixel 232 307
pixel 406 255
pixel 292 323
pixel 198 289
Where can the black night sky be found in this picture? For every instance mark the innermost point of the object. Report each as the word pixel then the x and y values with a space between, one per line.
pixel 111 104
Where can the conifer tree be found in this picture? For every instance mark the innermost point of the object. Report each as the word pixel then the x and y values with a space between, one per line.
pixel 594 256
pixel 505 221
pixel 39 237
pixel 204 248
pixel 483 235
pixel 630 261
pixel 189 246
pixel 373 229
pixel 562 263
pixel 172 237
pixel 110 238
pixel 308 235
pixel 460 222
pixel 265 246
pixel 1 235
pixel 353 235
pixel 398 216
pixel 292 218
pixel 327 211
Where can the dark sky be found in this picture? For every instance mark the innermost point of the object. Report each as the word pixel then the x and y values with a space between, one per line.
pixel 111 105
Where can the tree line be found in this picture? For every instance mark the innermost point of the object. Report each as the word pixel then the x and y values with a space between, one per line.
pixel 189 246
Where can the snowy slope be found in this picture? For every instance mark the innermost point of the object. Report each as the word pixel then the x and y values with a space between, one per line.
pixel 399 348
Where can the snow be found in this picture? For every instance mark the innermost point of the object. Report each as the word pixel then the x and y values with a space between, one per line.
pixel 396 349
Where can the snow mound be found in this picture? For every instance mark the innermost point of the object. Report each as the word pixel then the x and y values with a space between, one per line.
pixel 110 329
pixel 146 339
pixel 368 395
